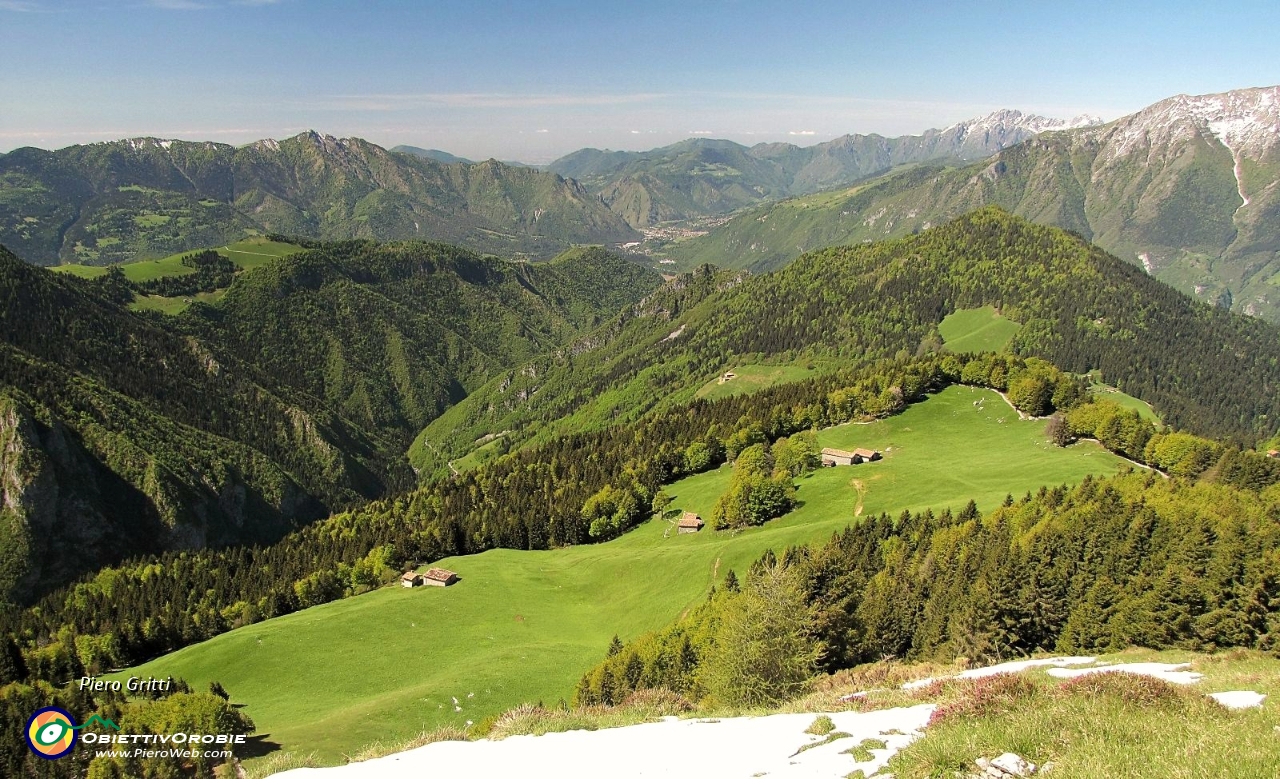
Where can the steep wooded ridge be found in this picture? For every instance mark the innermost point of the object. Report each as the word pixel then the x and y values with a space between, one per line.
pixel 704 177
pixel 145 197
pixel 1080 308
pixel 1187 188
pixel 126 433
pixel 390 335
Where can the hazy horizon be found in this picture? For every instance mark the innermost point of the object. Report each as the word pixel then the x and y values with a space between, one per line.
pixel 534 81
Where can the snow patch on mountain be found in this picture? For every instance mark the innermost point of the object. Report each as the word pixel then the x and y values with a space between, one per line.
pixel 1245 121
pixel 1008 120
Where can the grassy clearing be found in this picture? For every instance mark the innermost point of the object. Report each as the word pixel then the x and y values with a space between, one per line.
pixel 252 252
pixel 522 626
pixel 478 456
pixel 173 306
pixel 249 253
pixel 1127 401
pixel 753 378
pixel 1111 725
pixel 977 330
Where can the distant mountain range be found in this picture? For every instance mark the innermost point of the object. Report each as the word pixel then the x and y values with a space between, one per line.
pixel 1189 188
pixel 433 154
pixel 703 177
pixel 145 197
pixel 1186 188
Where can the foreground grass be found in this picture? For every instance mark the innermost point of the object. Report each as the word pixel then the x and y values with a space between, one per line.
pixel 522 626
pixel 1113 725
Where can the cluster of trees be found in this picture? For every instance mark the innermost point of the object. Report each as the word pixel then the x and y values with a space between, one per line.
pixel 1133 560
pixel 1126 432
pixel 753 644
pixel 178 709
pixel 613 510
pixel 761 488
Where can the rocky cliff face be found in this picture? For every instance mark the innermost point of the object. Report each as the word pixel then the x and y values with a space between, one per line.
pixel 72 502
pixel 54 508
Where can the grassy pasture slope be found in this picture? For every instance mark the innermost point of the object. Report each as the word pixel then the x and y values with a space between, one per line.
pixel 1127 401
pixel 977 330
pixel 753 378
pixel 249 253
pixel 522 626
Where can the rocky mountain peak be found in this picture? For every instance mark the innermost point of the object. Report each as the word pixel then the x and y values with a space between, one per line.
pixel 1246 121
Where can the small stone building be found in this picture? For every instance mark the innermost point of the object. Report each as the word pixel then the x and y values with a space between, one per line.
pixel 865 455
pixel 410 579
pixel 689 523
pixel 439 577
pixel 833 457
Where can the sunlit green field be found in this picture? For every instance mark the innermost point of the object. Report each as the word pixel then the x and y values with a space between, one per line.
pixel 753 378
pixel 977 330
pixel 1127 401
pixel 479 456
pixel 522 626
pixel 173 306
pixel 249 253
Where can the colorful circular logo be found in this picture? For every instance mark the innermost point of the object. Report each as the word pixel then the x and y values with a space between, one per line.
pixel 51 733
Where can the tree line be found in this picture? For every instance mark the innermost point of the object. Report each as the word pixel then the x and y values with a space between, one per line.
pixel 571 490
pixel 1131 560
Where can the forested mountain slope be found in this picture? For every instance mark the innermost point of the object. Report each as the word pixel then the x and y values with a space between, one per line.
pixel 142 198
pixel 1079 307
pixel 701 177
pixel 127 433
pixel 1186 188
pixel 392 334
pixel 123 435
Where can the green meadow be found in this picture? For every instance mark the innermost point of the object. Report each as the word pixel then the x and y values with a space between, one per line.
pixel 522 626
pixel 479 456
pixel 1125 400
pixel 977 330
pixel 249 253
pixel 753 378
pixel 173 306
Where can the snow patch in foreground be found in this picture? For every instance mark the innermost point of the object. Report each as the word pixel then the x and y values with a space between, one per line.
pixel 1239 699
pixel 1004 668
pixel 1174 673
pixel 734 748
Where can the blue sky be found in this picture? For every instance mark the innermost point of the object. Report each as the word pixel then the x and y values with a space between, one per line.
pixel 534 80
